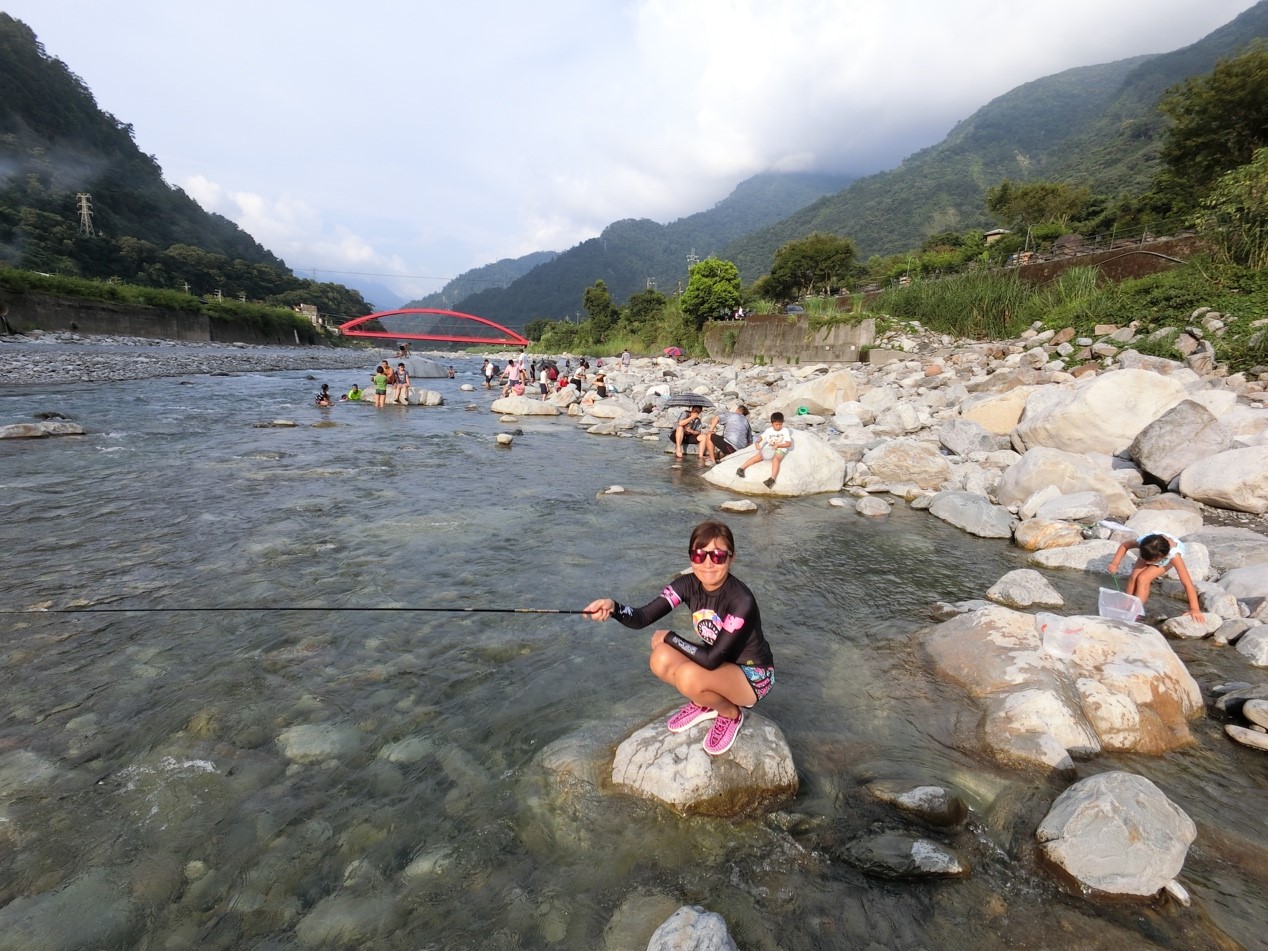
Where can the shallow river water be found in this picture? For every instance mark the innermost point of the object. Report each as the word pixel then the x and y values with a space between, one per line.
pixel 146 802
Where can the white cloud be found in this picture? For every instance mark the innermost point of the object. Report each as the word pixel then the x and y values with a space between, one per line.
pixel 427 139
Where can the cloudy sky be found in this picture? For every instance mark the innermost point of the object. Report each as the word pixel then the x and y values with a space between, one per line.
pixel 403 143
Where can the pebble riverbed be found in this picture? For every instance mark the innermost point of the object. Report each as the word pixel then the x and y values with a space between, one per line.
pixel 38 357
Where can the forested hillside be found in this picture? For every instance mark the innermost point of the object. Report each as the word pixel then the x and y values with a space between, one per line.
pixel 1096 126
pixel 498 274
pixel 55 143
pixel 630 253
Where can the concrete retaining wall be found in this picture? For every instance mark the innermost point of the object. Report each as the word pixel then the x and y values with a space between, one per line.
pixel 778 340
pixel 35 311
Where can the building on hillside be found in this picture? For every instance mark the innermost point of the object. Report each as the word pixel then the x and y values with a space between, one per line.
pixel 995 234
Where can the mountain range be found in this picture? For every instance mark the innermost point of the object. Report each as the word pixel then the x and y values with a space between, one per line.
pixel 1097 126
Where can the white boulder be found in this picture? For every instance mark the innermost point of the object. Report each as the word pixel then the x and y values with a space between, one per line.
pixel 1100 414
pixel 1117 833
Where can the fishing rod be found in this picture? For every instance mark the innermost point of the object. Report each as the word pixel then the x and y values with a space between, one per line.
pixel 220 610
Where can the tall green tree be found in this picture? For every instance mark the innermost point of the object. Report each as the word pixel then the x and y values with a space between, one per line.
pixel 817 262
pixel 1218 121
pixel 597 301
pixel 1234 216
pixel 712 292
pixel 1025 204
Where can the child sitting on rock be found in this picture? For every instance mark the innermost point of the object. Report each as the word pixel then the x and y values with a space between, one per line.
pixel 1158 552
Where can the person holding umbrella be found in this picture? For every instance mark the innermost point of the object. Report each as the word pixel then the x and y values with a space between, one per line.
pixel 687 432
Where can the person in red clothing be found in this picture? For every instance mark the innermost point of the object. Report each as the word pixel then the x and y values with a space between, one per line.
pixel 731 667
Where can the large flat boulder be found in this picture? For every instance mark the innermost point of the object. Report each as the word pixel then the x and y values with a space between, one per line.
pixel 1236 479
pixel 756 775
pixel 972 513
pixel 820 396
pixel 1101 414
pixel 908 460
pixel 1117 833
pixel 1068 473
pixel 811 467
pixel 1053 687
pixel 1185 434
pixel 524 406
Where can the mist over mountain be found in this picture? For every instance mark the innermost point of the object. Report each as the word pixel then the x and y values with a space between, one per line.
pixel 634 254
pixel 1097 126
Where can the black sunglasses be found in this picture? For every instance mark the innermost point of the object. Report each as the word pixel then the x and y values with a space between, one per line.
pixel 718 556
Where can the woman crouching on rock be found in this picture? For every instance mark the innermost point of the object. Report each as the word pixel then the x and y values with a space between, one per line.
pixel 733 667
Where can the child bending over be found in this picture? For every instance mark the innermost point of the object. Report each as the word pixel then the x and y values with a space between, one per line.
pixel 1158 552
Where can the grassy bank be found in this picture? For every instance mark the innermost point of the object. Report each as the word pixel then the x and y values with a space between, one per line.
pixel 997 306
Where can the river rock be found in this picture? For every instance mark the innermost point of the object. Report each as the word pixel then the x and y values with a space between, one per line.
pixel 908 460
pixel 421 397
pixel 691 928
pixel 897 856
pixel 1117 833
pixel 1090 555
pixel 1023 588
pixel 973 513
pixel 1236 479
pixel 1233 697
pixel 757 774
pixel 316 742
pixel 1248 584
pixel 1185 434
pixel 1252 738
pixel 933 804
pixel 1068 472
pixel 739 505
pixel 41 430
pixel 964 436
pixel 872 507
pixel 523 406
pixel 1253 645
pixel 636 920
pixel 1085 507
pixel 1187 628
pixel 1036 534
pixel 349 920
pixel 1232 547
pixel 1228 632
pixel 1051 686
pixel 91 911
pixel 1100 414
pixel 1177 522
pixel 997 413
pixel 812 466
pixel 820 395
pixel 1256 711
pixel 23 772
pixel 614 407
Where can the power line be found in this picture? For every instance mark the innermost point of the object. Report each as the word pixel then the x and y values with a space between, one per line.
pixel 330 270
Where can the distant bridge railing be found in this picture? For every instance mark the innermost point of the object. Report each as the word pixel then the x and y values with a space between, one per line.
pixel 454 327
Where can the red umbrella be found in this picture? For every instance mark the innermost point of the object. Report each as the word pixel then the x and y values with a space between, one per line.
pixel 673 352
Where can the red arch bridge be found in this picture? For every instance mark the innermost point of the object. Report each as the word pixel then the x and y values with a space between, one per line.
pixel 428 323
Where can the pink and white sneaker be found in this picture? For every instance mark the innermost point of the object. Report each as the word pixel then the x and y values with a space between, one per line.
pixel 722 734
pixel 688 717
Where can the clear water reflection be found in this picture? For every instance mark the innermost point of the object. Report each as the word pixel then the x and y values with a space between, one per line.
pixel 140 765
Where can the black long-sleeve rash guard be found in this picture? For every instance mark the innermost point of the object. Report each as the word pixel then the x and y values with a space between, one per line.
pixel 727 621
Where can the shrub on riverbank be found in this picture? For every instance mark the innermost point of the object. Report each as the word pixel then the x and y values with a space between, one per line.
pixel 990 306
